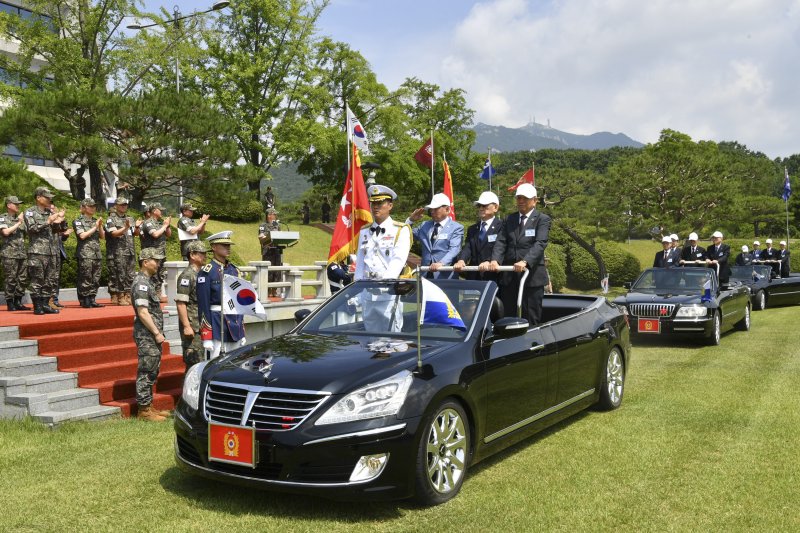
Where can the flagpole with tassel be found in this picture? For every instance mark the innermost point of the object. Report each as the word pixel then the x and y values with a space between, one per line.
pixel 489 157
pixel 787 192
pixel 433 164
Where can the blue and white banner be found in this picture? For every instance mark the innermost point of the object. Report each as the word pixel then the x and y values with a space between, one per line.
pixel 239 297
pixel 488 170
pixel 437 307
pixel 706 291
pixel 787 185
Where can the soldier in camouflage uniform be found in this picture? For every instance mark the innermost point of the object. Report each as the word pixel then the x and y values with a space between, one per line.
pixel 43 260
pixel 120 252
pixel 14 255
pixel 186 304
pixel 188 229
pixel 148 333
pixel 89 230
pixel 154 235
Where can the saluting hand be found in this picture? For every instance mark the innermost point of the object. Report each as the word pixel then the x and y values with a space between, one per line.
pixel 417 214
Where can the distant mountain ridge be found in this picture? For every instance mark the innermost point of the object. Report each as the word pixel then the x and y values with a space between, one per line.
pixel 538 136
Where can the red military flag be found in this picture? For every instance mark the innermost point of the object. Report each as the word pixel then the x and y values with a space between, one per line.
pixel 448 188
pixel 425 154
pixel 354 213
pixel 528 177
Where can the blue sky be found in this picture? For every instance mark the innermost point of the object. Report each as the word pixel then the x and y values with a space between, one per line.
pixel 714 69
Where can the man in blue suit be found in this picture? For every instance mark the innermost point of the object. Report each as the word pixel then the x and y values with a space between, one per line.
pixel 439 238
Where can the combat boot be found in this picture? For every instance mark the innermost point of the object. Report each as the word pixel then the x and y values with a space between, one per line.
pixel 161 412
pixel 18 303
pixel 54 302
pixel 125 298
pixel 93 301
pixel 146 412
pixel 46 308
pixel 115 298
pixel 37 305
pixel 84 300
pixel 11 303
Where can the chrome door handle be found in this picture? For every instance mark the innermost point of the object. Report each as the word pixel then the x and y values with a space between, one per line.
pixel 603 331
pixel 536 348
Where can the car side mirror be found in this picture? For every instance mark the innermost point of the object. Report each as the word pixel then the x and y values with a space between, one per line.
pixel 508 327
pixel 301 315
pixel 627 284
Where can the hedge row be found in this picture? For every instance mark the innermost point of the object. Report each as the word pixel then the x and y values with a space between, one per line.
pixel 583 272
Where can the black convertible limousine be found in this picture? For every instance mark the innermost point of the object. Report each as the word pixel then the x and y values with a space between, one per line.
pixel 685 302
pixel 766 290
pixel 340 410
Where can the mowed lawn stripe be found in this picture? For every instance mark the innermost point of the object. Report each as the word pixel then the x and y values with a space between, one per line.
pixel 706 439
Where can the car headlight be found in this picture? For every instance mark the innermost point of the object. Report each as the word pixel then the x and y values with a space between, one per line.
pixel 692 311
pixel 191 385
pixel 383 398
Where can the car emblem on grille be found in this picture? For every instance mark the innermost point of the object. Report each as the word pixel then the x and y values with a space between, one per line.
pixel 664 311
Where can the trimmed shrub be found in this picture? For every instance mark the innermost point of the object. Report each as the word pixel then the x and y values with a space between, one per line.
pixel 582 271
pixel 243 211
pixel 557 266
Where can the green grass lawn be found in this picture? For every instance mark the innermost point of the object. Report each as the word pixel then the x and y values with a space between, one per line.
pixel 707 439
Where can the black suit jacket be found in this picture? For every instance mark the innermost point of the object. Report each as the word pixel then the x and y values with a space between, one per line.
pixel 686 253
pixel 722 254
pixel 512 247
pixel 660 262
pixel 475 252
pixel 786 267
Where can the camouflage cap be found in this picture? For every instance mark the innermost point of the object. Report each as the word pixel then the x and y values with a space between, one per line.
pixel 121 200
pixel 88 202
pixel 156 205
pixel 272 211
pixel 43 191
pixel 12 200
pixel 196 246
pixel 187 207
pixel 151 253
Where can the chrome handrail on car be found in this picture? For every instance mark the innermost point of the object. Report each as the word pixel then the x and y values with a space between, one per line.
pixel 477 269
pixel 703 263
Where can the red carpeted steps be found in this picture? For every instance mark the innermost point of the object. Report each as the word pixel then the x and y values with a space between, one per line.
pixel 98 346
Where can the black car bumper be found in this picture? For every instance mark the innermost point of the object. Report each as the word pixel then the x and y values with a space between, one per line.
pixel 309 462
pixel 673 327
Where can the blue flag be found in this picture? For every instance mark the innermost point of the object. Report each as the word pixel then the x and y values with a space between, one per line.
pixel 488 170
pixel 437 307
pixel 706 291
pixel 787 187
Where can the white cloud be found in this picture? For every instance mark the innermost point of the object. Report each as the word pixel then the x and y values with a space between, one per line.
pixel 717 69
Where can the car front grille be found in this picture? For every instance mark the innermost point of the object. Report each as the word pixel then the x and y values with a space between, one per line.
pixel 265 408
pixel 652 310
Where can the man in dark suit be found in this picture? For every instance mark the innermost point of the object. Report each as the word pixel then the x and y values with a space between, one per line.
pixel 772 254
pixel 783 255
pixel 756 251
pixel 717 255
pixel 521 243
pixel 439 238
pixel 744 258
pixel 666 257
pixel 481 238
pixel 692 252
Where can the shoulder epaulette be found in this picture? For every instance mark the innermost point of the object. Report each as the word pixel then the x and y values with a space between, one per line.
pixel 399 224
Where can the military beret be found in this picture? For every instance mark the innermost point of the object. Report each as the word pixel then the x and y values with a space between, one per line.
pixel 12 200
pixel 151 253
pixel 43 191
pixel 196 246
pixel 88 202
pixel 381 192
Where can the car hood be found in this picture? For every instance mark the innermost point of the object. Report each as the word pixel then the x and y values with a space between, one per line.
pixel 661 298
pixel 332 363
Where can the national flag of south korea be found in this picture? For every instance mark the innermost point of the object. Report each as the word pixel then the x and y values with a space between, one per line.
pixel 355 132
pixel 239 297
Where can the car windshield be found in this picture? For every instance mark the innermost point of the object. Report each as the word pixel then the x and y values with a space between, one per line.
pixel 390 308
pixel 750 273
pixel 673 281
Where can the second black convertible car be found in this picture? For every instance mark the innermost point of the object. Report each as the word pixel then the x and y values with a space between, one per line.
pixel 766 290
pixel 686 302
pixel 340 406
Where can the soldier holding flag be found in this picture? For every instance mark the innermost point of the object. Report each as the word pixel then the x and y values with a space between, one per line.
pixel 209 299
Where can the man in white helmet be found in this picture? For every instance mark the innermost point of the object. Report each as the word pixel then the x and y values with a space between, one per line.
pixel 693 252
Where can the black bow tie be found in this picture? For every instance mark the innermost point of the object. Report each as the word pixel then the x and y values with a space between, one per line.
pixel 377 230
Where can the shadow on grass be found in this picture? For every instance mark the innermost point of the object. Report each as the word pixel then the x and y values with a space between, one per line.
pixel 236 500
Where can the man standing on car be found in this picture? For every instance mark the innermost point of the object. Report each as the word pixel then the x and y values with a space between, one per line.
pixel 439 238
pixel 717 256
pixel 383 250
pixel 692 252
pixel 783 255
pixel 481 238
pixel 522 243
pixel 665 258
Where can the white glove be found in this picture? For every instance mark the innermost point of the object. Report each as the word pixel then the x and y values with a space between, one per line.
pixel 208 345
pixel 243 341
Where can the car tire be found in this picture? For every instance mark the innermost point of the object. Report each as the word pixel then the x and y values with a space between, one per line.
pixel 612 386
pixel 761 300
pixel 744 324
pixel 443 454
pixel 716 331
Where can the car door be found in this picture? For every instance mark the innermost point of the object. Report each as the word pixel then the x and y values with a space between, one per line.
pixel 517 371
pixel 581 342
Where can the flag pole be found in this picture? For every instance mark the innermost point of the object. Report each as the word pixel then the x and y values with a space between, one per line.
pixel 433 164
pixel 419 332
pixel 786 173
pixel 489 157
pixel 347 125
